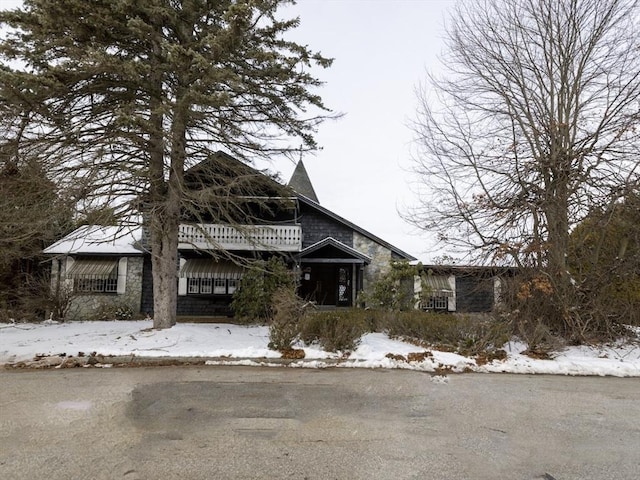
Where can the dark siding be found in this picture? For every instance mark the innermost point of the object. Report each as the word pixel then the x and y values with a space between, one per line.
pixel 146 303
pixel 474 294
pixel 188 305
pixel 196 305
pixel 317 226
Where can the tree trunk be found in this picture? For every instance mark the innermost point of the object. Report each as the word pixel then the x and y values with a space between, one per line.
pixel 165 201
pixel 557 209
pixel 164 264
pixel 165 225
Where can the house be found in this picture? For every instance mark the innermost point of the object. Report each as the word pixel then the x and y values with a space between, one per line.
pixel 97 267
pixel 462 289
pixel 335 258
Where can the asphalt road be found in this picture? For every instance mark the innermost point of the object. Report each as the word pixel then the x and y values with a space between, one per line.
pixel 284 423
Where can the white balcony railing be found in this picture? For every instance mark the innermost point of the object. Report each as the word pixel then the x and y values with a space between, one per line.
pixel 284 238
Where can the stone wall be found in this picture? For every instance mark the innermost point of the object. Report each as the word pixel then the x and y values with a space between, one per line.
pixel 87 306
pixel 380 258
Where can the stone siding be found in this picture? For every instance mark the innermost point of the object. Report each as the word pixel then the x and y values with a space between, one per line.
pixel 380 259
pixel 87 306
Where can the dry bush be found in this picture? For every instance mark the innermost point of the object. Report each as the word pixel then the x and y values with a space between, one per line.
pixel 546 320
pixel 35 300
pixel 114 311
pixel 335 330
pixel 288 313
pixel 465 334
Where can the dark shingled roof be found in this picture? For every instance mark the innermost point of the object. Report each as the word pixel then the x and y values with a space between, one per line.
pixel 301 184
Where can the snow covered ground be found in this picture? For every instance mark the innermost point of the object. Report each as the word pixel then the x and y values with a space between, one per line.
pixel 247 345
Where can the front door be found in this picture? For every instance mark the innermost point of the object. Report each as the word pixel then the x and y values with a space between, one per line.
pixel 327 284
pixel 344 286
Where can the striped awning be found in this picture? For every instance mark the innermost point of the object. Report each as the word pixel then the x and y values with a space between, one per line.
pixel 208 268
pixel 438 285
pixel 96 268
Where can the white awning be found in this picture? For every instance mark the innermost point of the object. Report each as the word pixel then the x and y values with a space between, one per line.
pixel 96 268
pixel 438 285
pixel 209 268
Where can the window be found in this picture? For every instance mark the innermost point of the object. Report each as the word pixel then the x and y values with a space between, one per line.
pixel 219 286
pixel 436 303
pixel 205 276
pixel 193 285
pixel 438 292
pixel 205 285
pixel 208 286
pixel 94 275
pixel 87 284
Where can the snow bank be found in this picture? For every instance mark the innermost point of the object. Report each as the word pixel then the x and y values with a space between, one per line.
pixel 227 344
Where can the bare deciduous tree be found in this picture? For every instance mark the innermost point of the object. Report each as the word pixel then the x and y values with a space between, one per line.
pixel 534 124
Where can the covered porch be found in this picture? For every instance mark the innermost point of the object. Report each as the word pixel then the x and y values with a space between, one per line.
pixel 331 273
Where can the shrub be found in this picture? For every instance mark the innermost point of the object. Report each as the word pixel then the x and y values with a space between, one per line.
pixel 36 300
pixel 335 330
pixel 288 312
pixel 546 310
pixel 463 333
pixel 253 301
pixel 393 290
pixel 113 311
pixel 58 300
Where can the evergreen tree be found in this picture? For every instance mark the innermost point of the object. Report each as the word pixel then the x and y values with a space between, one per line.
pixel 32 215
pixel 121 97
pixel 604 258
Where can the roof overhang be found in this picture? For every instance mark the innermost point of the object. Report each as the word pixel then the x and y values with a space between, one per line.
pixel 99 240
pixel 308 201
pixel 313 254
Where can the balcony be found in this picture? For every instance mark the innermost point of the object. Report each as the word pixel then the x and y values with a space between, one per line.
pixel 283 238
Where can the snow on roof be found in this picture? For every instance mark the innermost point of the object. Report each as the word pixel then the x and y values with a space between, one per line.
pixel 96 239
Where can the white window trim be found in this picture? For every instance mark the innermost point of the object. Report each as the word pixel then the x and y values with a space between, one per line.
pixel 182 281
pixel 122 276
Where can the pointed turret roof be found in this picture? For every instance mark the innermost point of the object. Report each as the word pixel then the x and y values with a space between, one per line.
pixel 301 184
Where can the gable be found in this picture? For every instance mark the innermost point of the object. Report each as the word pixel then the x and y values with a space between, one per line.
pixel 222 189
pixel 338 227
pixel 330 248
pixel 222 174
pixel 316 226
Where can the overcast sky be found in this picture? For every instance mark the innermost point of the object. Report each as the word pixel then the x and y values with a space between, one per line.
pixel 382 49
